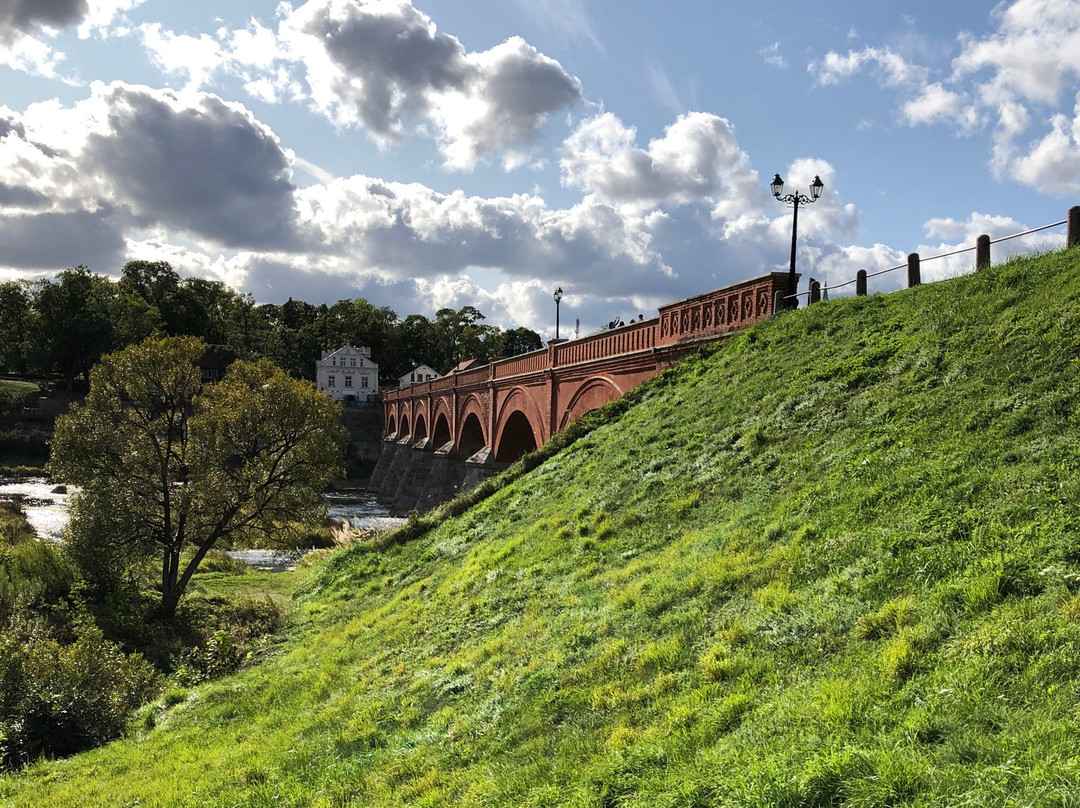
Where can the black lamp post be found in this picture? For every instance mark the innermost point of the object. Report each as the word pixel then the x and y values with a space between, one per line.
pixel 558 298
pixel 796 199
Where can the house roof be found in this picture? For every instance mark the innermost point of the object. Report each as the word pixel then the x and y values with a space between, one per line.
pixel 468 364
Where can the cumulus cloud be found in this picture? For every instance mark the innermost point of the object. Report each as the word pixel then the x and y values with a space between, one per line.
pixel 383 66
pixel 1025 72
pixel 693 161
pixel 25 25
pixel 936 104
pixel 201 164
pixel 199 57
pixel 20 17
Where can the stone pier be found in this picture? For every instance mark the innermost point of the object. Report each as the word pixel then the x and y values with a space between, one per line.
pixel 413 478
pixel 399 462
pixel 445 480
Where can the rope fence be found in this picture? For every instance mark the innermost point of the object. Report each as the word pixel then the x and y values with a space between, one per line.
pixel 914 262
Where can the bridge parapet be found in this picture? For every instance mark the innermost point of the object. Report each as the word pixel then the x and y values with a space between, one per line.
pixel 722 310
pixel 534 362
pixel 627 339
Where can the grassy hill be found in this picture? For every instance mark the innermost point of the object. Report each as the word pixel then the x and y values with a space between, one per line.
pixel 835 561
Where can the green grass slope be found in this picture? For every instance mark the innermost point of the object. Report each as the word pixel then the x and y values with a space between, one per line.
pixel 834 562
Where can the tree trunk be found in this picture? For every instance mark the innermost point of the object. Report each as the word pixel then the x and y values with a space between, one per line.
pixel 170 590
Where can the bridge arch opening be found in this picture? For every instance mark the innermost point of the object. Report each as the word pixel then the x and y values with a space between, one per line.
pixel 420 428
pixel 517 438
pixel 391 426
pixel 472 436
pixel 406 431
pixel 441 434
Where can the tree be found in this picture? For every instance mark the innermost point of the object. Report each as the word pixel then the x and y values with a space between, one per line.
pixel 518 341
pixel 170 469
pixel 14 316
pixel 72 322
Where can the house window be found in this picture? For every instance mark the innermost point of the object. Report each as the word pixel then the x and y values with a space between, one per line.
pixel 352 362
pixel 331 380
pixel 348 381
pixel 363 381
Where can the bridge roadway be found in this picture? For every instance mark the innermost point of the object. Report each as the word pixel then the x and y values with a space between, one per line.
pixel 445 435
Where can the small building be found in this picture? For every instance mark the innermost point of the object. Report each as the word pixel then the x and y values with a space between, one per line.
pixel 348 375
pixel 420 373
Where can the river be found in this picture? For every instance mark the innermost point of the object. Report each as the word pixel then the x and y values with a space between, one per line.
pixel 47 513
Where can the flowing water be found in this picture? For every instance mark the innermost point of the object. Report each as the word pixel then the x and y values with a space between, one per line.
pixel 47 513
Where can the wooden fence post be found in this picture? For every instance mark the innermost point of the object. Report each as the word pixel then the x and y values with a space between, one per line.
pixel 982 252
pixel 860 283
pixel 815 291
pixel 1073 237
pixel 914 276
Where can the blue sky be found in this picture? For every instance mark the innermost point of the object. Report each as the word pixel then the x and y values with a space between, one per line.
pixel 440 153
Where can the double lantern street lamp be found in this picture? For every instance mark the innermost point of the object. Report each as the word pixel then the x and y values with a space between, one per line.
pixel 558 298
pixel 796 199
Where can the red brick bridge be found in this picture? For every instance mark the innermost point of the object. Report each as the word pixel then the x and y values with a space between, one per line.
pixel 445 435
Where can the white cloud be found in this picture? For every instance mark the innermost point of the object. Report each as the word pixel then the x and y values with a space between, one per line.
pixel 935 104
pixel 891 68
pixel 197 57
pixel 1025 73
pixel 693 161
pixel 770 54
pixel 25 25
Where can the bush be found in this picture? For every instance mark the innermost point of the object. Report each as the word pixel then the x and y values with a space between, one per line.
pixel 220 635
pixel 61 699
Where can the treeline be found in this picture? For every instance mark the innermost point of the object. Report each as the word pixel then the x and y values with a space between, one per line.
pixel 60 327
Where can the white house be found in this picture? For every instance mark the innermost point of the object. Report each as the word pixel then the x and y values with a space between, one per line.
pixel 348 375
pixel 420 373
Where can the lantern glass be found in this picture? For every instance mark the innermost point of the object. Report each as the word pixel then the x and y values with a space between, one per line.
pixel 816 187
pixel 777 185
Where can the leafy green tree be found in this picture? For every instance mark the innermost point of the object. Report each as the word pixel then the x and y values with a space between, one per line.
pixel 463 336
pixel 518 341
pixel 170 469
pixel 72 324
pixel 15 301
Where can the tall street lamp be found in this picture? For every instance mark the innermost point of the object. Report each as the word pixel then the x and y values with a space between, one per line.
pixel 558 298
pixel 796 199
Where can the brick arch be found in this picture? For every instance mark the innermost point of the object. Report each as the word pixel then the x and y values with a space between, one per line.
pixel 441 430
pixel 474 406
pixel 419 427
pixel 470 439
pixel 520 427
pixel 405 421
pixel 593 394
pixel 391 423
pixel 440 433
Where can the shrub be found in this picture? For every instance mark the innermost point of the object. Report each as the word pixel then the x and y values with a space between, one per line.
pixel 60 699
